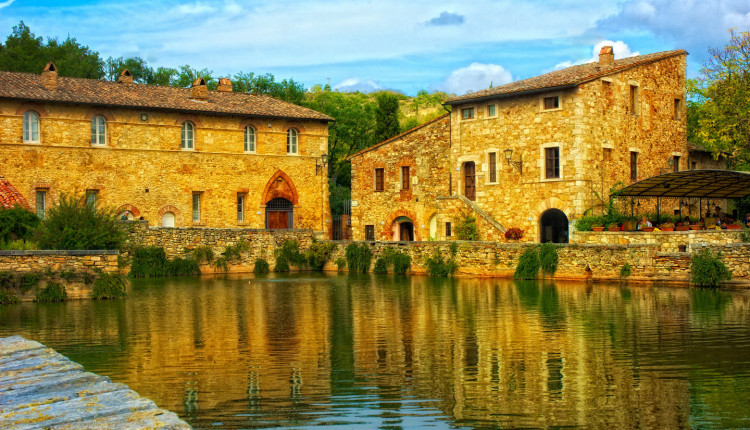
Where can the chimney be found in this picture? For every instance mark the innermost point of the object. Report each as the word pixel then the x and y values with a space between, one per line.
pixel 125 77
pixel 49 76
pixel 225 85
pixel 606 56
pixel 199 91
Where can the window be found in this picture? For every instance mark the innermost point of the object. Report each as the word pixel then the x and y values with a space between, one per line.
pixel 369 232
pixel 467 113
pixel 493 166
pixel 379 179
pixel 98 130
pixel 677 109
pixel 30 127
pixel 249 139
pixel 676 163
pixel 633 100
pixel 196 207
pixel 552 162
pixel 41 203
pixel 240 208
pixel 91 197
pixel 694 165
pixel 404 177
pixel 447 229
pixel 491 110
pixel 187 137
pixel 633 166
pixel 551 102
pixel 292 137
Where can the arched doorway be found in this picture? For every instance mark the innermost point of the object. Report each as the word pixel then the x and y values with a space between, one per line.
pixel 403 229
pixel 554 226
pixel 167 219
pixel 279 214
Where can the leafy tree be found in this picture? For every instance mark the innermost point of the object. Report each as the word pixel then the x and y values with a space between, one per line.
pixel 186 75
pixel 164 76
pixel 719 114
pixel 386 117
pixel 142 73
pixel 287 90
pixel 22 51
pixel 75 224
pixel 73 59
pixel 17 223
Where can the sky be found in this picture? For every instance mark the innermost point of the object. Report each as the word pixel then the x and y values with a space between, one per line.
pixel 368 45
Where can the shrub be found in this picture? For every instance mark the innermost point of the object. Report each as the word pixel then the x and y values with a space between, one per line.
pixel 203 254
pixel 514 233
pixel 152 262
pixel 17 224
pixel 380 266
pixel 53 292
pixel 585 223
pixel 528 264
pixel 108 286
pixel 454 248
pixel 282 266
pixel 221 263
pixel 625 270
pixel 319 253
pixel 289 252
pixel 340 263
pixel 7 298
pixel 358 257
pixel 438 266
pixel 74 224
pixel 548 258
pixel 29 280
pixel 466 227
pixel 261 267
pixel 18 245
pixel 707 269
pixel 401 263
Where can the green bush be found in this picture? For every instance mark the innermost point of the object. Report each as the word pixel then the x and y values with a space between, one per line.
pixel 401 263
pixel 625 270
pixel 466 227
pixel 17 224
pixel 289 252
pixel 282 266
pixel 340 263
pixel 319 253
pixel 53 292
pixel 203 254
pixel 7 298
pixel 585 223
pixel 358 257
pixel 29 280
pixel 152 262
pixel 221 263
pixel 108 286
pixel 183 267
pixel 261 267
pixel 707 269
pixel 548 258
pixel 18 245
pixel 74 224
pixel 528 264
pixel 380 266
pixel 438 266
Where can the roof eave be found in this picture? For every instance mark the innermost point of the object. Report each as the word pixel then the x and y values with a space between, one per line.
pixel 512 94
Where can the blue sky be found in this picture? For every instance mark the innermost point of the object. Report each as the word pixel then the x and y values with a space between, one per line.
pixel 391 44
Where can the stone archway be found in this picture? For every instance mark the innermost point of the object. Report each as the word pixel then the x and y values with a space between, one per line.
pixel 553 226
pixel 280 186
pixel 393 228
pixel 169 216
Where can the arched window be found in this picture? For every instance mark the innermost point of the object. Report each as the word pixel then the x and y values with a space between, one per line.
pixel 98 130
pixel 187 137
pixel 30 127
pixel 249 139
pixel 291 141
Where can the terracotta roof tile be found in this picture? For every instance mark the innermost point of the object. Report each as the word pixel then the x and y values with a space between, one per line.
pixel 569 76
pixel 10 197
pixel 28 86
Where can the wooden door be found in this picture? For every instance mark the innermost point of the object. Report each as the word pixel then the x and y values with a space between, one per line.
pixel 470 187
pixel 278 220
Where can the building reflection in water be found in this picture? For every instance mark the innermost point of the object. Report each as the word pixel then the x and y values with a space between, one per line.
pixel 396 351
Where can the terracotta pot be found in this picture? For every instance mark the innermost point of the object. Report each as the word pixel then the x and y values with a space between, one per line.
pixel 667 229
pixel 734 227
pixel 696 227
pixel 613 228
pixel 648 229
pixel 682 228
pixel 597 228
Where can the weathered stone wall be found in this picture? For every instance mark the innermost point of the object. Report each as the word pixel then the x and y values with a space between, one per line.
pixel 667 241
pixel 595 132
pixel 54 265
pixel 424 150
pixel 143 169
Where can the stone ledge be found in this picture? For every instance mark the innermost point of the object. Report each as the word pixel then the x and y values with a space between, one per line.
pixel 61 252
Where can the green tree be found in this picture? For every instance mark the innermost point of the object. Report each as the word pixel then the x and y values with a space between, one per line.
pixel 164 76
pixel 22 51
pixel 719 113
pixel 386 117
pixel 75 224
pixel 186 75
pixel 142 73
pixel 287 90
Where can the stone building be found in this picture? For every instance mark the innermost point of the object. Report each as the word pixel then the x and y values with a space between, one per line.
pixel 174 156
pixel 538 153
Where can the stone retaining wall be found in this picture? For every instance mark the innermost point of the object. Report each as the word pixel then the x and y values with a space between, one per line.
pixel 70 268
pixel 668 241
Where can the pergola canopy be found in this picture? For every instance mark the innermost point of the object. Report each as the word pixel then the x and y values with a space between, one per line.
pixel 714 184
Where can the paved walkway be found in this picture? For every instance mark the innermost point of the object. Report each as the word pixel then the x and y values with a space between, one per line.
pixel 40 388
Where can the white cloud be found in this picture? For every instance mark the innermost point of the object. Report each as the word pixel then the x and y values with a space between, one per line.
pixel 476 77
pixel 620 48
pixel 356 84
pixel 6 3
pixel 196 8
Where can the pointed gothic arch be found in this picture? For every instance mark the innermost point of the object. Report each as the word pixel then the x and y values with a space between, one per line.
pixel 280 185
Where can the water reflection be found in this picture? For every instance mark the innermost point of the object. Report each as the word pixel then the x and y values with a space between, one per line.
pixel 397 352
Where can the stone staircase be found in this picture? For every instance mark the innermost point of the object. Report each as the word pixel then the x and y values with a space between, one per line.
pixel 479 211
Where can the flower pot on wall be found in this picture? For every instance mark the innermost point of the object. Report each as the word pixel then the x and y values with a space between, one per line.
pixel 696 227
pixel 600 228
pixel 667 229
pixel 648 229
pixel 734 227
pixel 682 228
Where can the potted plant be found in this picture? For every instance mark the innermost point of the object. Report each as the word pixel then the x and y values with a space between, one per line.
pixel 630 224
pixel 513 234
pixel 667 226
pixel 613 226
pixel 681 227
pixel 734 226
pixel 597 226
pixel 696 226
pixel 647 229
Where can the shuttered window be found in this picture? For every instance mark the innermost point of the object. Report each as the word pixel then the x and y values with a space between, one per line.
pixel 633 166
pixel 369 232
pixel 552 162
pixel 379 177
pixel 493 166
pixel 404 177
